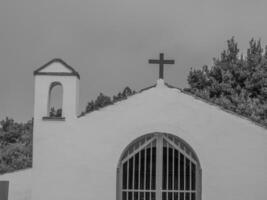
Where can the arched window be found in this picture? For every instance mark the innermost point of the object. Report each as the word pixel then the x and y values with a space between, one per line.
pixel 159 166
pixel 55 100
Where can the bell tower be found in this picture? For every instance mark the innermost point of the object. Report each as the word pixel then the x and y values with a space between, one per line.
pixel 51 125
pixel 52 74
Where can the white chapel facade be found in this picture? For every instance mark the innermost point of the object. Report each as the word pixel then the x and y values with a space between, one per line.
pixel 159 144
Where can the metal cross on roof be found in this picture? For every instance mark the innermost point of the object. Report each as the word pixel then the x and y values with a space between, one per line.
pixel 161 63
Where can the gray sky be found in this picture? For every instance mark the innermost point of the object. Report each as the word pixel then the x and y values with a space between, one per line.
pixel 110 41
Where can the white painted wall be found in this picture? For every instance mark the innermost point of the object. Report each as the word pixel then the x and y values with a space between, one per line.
pixel 70 96
pixel 20 184
pixel 77 159
pixel 42 128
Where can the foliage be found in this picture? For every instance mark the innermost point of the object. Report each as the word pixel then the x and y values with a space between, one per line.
pixel 55 113
pixel 234 82
pixel 15 145
pixel 103 100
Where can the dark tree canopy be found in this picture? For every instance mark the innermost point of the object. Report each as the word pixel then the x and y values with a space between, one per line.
pixel 234 82
pixel 15 145
pixel 103 100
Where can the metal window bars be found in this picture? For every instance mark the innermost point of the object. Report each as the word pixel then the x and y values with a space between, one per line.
pixel 158 167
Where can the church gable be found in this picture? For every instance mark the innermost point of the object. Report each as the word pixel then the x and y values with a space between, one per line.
pixel 56 67
pixel 159 144
pixel 178 93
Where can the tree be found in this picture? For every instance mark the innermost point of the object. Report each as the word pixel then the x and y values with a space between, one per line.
pixel 7 123
pixel 127 92
pixel 101 101
pixel 90 106
pixel 235 83
pixel 15 145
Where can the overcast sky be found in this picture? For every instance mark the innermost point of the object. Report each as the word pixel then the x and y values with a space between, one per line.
pixel 109 42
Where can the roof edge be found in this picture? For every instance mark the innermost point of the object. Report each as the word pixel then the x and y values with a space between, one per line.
pixel 140 91
pixel 224 109
pixel 16 171
pixel 58 60
pixel 198 98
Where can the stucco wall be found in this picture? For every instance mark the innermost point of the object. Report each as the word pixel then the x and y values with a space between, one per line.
pixel 77 158
pixel 20 184
pixel 70 95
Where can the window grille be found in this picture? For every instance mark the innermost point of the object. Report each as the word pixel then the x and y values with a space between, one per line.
pixel 159 166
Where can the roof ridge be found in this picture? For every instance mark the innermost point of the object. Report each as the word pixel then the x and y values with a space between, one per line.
pixel 58 60
pixel 140 91
pixel 196 97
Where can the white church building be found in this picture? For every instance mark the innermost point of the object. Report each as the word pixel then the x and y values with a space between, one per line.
pixel 159 144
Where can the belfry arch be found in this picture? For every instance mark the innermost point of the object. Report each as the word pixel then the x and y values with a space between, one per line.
pixel 55 99
pixel 158 166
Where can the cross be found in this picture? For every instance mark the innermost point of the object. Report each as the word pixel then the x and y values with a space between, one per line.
pixel 161 63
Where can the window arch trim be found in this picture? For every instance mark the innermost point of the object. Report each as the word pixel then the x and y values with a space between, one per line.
pixel 183 142
pixel 49 97
pixel 133 148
